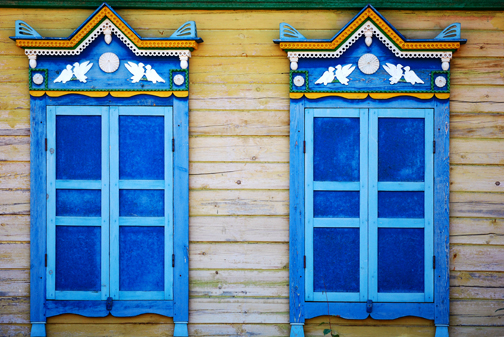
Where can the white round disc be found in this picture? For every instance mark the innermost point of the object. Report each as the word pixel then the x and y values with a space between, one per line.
pixel 440 81
pixel 109 62
pixel 178 79
pixel 368 64
pixel 299 81
pixel 38 79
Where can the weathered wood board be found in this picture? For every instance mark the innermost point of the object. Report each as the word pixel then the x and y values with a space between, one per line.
pixel 239 127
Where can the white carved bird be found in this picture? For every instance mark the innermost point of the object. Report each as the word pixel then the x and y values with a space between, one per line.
pixel 137 71
pixel 152 75
pixel 343 73
pixel 66 75
pixel 395 71
pixel 411 77
pixel 80 70
pixel 327 77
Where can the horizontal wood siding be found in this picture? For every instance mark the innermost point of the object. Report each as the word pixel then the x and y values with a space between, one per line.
pixel 239 153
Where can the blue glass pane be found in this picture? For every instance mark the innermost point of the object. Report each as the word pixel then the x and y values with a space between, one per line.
pixel 401 149
pixel 141 202
pixel 141 147
pixel 401 260
pixel 336 152
pixel 336 259
pixel 78 147
pixel 78 255
pixel 141 260
pixel 78 202
pixel 340 204
pixel 401 205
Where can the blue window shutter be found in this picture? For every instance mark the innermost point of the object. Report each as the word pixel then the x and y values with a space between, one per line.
pixel 376 160
pixel 336 204
pixel 78 203
pixel 141 203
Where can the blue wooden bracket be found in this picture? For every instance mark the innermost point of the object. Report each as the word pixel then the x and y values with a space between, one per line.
pixel 450 32
pixel 441 331
pixel 24 30
pixel 289 33
pixel 188 29
pixel 38 329
pixel 297 330
pixel 180 329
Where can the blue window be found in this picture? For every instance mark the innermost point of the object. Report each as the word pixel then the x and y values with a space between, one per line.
pixel 369 205
pixel 109 203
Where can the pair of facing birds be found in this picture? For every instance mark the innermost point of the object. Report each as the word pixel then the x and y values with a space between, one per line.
pixel 396 73
pixel 80 70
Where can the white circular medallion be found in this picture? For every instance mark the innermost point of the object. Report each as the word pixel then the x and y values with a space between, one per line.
pixel 368 64
pixel 38 79
pixel 109 62
pixel 440 81
pixel 178 79
pixel 298 81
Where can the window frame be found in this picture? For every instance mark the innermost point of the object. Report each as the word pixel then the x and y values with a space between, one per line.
pixel 300 309
pixel 40 307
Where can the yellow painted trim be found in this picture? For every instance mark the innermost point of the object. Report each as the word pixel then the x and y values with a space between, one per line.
pixel 181 94
pixel 369 14
pixel 381 95
pixel 443 95
pixel 349 95
pixel 37 93
pixel 106 12
pixel 362 95
pixel 296 95
pixel 134 93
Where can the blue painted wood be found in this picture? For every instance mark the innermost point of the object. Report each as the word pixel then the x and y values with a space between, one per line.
pixel 386 311
pixel 141 295
pixel 441 211
pixel 119 308
pixel 83 308
pixel 180 329
pixel 296 330
pixel 78 184
pixel 38 329
pixel 373 206
pixel 336 222
pixel 51 203
pixel 397 310
pixel 135 308
pixel 114 202
pixel 78 295
pixel 429 205
pixel 78 221
pixel 141 184
pixel 138 100
pixel 181 209
pixel 168 215
pixel 401 185
pixel 309 206
pixel 364 211
pixel 400 223
pixel 335 186
pixel 38 212
pixel 297 213
pixel 441 331
pixel 142 221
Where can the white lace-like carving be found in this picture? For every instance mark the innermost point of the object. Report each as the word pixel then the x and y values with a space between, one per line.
pixel 107 24
pixel 356 35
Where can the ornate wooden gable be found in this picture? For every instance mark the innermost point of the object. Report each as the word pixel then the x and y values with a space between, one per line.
pixel 105 55
pixel 370 57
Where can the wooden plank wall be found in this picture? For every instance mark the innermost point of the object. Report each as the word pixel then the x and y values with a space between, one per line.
pixel 239 174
